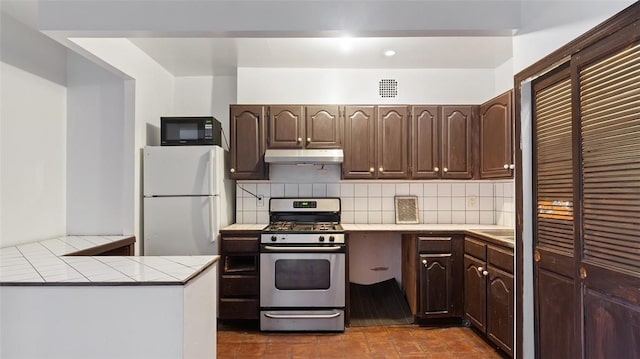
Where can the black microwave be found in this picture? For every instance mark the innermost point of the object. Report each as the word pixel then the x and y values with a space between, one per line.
pixel 190 131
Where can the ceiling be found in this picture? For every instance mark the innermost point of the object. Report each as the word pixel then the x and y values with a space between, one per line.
pixel 222 56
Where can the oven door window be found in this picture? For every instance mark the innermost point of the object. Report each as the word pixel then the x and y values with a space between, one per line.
pixel 302 274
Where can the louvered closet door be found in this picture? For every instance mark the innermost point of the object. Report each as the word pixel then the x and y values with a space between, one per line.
pixel 554 266
pixel 610 256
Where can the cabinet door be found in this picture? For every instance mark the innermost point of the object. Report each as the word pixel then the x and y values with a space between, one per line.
pixel 359 143
pixel 425 142
pixel 457 135
pixel 475 291
pixel 495 137
pixel 323 127
pixel 393 142
pixel 500 309
pixel 436 286
pixel 248 142
pixel 286 127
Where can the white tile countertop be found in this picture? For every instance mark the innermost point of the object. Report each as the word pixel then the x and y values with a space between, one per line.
pixel 45 263
pixel 422 227
pixel 245 227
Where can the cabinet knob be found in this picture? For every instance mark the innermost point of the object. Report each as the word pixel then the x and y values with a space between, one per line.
pixel 485 273
pixel 480 269
pixel 424 261
pixel 506 166
pixel 299 139
pixel 308 139
pixel 371 169
pixel 232 170
pixel 512 166
pixel 445 169
pixel 436 169
pixel 381 169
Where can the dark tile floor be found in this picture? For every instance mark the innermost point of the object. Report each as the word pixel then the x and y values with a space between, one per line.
pixel 407 341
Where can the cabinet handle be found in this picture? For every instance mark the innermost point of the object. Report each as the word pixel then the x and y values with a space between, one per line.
pixel 381 169
pixel 480 269
pixel 445 169
pixel 232 170
pixel 371 169
pixel 299 139
pixel 424 261
pixel 512 166
pixel 485 273
pixel 506 166
pixel 436 169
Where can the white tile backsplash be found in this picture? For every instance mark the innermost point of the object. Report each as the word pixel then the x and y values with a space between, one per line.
pixel 360 190
pixel 319 190
pixel 473 202
pixel 277 190
pixel 305 190
pixel 374 190
pixel 333 189
pixel 458 190
pixel 402 189
pixel 291 190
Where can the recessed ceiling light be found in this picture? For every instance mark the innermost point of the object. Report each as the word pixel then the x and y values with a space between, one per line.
pixel 389 53
pixel 345 44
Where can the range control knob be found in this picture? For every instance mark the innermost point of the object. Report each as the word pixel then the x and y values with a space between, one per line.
pixel 274 238
pixel 321 238
pixel 332 239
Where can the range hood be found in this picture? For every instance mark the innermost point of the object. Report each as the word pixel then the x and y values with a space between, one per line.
pixel 304 156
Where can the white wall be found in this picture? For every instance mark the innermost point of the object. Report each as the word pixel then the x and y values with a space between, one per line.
pixel 95 148
pixel 206 96
pixel 503 80
pixel 153 97
pixel 548 25
pixel 32 134
pixel 360 86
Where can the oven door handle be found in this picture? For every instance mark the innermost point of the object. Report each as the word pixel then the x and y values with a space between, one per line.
pixel 302 316
pixel 305 249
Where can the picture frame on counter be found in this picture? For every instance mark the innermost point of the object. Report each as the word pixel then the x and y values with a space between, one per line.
pixel 406 210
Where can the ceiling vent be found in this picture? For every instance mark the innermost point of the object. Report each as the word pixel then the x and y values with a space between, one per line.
pixel 388 88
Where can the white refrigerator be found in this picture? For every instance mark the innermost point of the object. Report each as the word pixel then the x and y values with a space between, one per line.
pixel 188 197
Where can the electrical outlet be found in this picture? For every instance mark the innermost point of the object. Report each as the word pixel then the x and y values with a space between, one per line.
pixel 472 202
pixel 260 201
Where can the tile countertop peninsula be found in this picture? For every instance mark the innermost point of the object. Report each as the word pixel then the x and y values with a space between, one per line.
pixel 490 232
pixel 60 261
pixel 57 301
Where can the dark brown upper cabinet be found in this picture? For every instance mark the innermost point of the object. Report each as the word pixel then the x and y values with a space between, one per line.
pixel 457 141
pixel 496 145
pixel 359 142
pixel 392 142
pixel 425 142
pixel 286 127
pixel 376 142
pixel 248 142
pixel 323 127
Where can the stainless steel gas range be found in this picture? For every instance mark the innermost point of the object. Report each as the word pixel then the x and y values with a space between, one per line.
pixel 303 266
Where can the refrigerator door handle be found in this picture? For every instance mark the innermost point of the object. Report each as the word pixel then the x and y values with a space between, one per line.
pixel 212 171
pixel 212 213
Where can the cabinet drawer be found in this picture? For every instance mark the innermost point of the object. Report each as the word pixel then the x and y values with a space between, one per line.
pixel 240 244
pixel 475 248
pixel 434 244
pixel 239 286
pixel 231 308
pixel 500 258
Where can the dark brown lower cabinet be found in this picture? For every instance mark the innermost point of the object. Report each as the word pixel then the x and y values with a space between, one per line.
pixel 489 291
pixel 239 277
pixel 432 267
